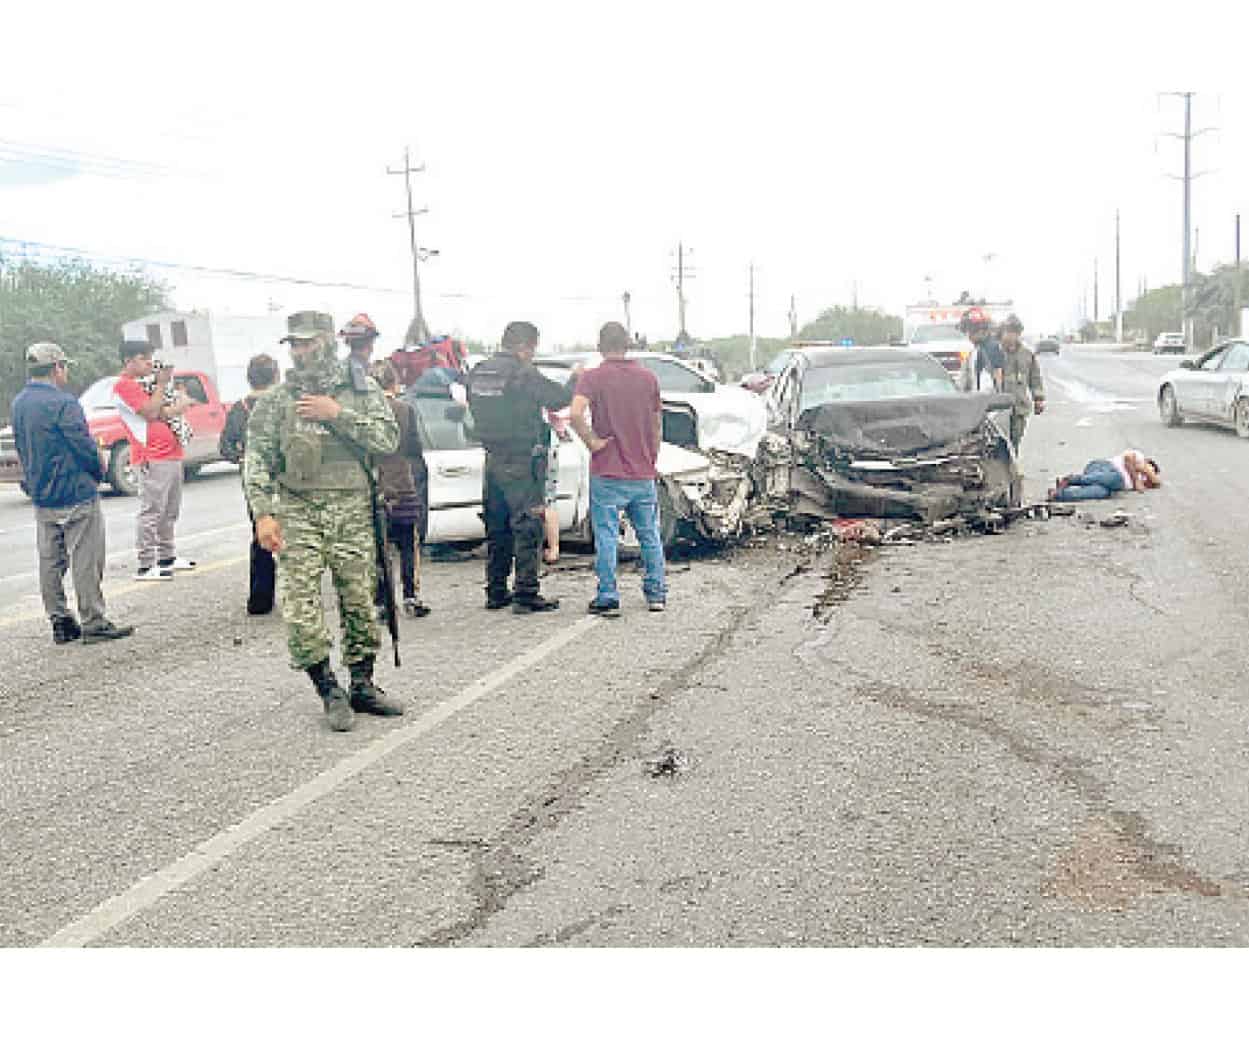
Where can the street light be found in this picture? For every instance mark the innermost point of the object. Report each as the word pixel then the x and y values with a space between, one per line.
pixel 424 254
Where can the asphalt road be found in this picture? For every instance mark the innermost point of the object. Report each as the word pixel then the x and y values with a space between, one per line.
pixel 1035 738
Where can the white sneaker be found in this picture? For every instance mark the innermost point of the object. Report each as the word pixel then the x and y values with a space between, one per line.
pixel 180 563
pixel 154 574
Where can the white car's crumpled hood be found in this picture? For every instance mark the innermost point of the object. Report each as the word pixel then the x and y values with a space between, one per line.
pixel 730 419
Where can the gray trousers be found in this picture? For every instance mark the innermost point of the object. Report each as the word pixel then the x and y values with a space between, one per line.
pixel 72 538
pixel 160 500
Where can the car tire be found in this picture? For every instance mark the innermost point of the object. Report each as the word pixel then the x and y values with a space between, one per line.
pixel 121 474
pixel 1168 407
pixel 191 470
pixel 1241 416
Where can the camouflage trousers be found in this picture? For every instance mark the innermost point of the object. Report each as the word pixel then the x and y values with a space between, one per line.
pixel 1018 423
pixel 327 529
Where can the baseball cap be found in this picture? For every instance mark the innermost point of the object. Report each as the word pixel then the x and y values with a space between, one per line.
pixel 45 354
pixel 307 325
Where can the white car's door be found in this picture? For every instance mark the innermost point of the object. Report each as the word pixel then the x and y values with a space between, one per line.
pixel 1197 391
pixel 573 487
pixel 455 462
pixel 1233 376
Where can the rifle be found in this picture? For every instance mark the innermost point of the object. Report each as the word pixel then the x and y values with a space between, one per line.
pixel 378 510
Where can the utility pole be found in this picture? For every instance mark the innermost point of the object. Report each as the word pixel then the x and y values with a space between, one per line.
pixel 682 272
pixel 625 298
pixel 1096 313
pixel 752 317
pixel 1118 287
pixel 793 318
pixel 418 331
pixel 1237 324
pixel 1187 137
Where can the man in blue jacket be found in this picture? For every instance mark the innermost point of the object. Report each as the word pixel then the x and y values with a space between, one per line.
pixel 62 470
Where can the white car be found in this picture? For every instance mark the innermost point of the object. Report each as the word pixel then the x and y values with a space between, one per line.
pixel 1170 343
pixel 1211 388
pixel 711 433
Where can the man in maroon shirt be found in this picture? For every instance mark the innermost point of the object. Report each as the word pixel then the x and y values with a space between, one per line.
pixel 622 398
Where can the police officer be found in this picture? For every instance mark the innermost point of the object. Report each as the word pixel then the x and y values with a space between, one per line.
pixel 506 395
pixel 308 441
pixel 1021 378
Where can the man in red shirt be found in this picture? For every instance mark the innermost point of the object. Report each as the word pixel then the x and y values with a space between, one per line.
pixel 156 450
pixel 622 397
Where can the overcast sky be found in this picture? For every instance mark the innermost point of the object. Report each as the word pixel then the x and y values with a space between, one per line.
pixel 570 147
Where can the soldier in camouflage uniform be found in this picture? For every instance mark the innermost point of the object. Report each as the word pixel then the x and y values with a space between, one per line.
pixel 310 496
pixel 1021 378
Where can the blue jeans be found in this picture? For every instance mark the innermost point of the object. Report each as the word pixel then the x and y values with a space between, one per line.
pixel 1100 479
pixel 640 501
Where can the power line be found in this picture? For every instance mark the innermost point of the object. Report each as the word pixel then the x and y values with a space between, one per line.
pixel 71 251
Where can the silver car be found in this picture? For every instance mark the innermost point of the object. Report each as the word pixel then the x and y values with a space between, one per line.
pixel 1210 388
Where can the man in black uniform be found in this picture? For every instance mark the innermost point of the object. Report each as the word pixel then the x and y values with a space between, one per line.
pixel 506 395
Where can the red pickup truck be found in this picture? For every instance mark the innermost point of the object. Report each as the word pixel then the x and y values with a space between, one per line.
pixel 207 416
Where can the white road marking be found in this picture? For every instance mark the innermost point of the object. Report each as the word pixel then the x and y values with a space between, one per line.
pixel 190 539
pixel 124 588
pixel 145 893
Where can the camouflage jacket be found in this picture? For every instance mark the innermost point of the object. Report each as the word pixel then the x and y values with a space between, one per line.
pixel 365 420
pixel 1021 378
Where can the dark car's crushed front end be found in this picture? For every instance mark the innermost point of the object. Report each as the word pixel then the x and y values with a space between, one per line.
pixel 918 458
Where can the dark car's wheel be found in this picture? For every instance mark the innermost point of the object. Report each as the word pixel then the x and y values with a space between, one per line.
pixel 121 474
pixel 191 470
pixel 1168 407
pixel 1242 417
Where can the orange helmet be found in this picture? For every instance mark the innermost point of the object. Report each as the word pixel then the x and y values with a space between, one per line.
pixel 359 326
pixel 974 318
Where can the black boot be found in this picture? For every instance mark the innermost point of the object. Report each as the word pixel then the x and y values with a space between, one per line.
pixel 367 697
pixel 65 630
pixel 337 706
pixel 534 604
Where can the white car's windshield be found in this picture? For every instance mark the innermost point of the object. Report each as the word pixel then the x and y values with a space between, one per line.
pixel 874 381
pixel 445 425
pixel 935 333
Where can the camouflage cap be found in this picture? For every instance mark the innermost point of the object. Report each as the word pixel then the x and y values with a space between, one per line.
pixel 38 354
pixel 307 325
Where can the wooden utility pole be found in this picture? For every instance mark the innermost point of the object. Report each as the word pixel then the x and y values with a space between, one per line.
pixel 793 318
pixel 625 298
pixel 418 331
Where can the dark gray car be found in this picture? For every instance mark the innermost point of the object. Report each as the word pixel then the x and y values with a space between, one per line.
pixel 884 432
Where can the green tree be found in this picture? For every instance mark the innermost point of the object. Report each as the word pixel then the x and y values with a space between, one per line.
pixel 733 352
pixel 867 326
pixel 71 303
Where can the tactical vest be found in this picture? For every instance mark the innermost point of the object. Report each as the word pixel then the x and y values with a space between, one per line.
pixel 1015 378
pixel 507 419
pixel 314 458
